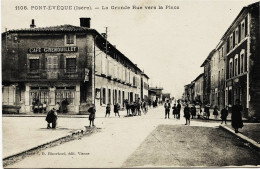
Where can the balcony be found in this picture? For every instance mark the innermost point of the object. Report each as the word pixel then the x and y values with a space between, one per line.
pixel 46 74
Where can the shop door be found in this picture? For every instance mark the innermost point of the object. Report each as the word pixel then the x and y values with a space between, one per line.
pixel 52 67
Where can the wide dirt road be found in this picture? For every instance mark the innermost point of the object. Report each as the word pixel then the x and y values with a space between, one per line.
pixel 170 145
pixel 147 140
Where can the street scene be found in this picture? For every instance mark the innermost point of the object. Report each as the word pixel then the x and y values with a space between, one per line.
pixel 141 141
pixel 120 87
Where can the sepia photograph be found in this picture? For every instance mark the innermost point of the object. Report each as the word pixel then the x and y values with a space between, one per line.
pixel 130 84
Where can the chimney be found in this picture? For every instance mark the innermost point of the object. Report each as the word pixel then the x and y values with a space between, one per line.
pixel 85 22
pixel 32 25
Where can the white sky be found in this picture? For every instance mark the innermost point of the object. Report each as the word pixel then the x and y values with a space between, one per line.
pixel 169 45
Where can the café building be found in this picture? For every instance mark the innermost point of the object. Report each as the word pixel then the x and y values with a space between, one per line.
pixel 72 63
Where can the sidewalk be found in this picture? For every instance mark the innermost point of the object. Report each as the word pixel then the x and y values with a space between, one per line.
pixel 212 117
pixel 22 132
pixel 250 133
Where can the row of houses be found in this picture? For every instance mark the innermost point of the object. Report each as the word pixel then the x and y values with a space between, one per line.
pixel 72 63
pixel 232 68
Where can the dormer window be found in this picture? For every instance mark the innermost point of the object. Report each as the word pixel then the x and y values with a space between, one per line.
pixel 70 39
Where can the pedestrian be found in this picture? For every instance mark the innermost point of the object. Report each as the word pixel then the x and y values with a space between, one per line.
pixel 52 117
pixel 63 106
pixel 236 118
pixel 193 111
pixel 178 109
pixel 44 106
pixel 187 114
pixel 206 110
pixel 138 106
pixel 128 108
pixel 133 108
pixel 215 112
pixel 224 114
pixel 144 107
pixel 108 109
pixel 116 109
pixel 92 115
pixel 167 107
pixel 174 111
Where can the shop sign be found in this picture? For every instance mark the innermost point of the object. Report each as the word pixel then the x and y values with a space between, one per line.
pixel 67 49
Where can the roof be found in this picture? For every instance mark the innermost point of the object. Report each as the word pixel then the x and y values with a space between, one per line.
pixel 155 88
pixel 59 28
pixel 198 77
pixel 145 75
pixel 72 28
pixel 208 58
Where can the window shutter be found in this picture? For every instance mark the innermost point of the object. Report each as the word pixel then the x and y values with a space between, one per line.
pixel 62 61
pixel 42 61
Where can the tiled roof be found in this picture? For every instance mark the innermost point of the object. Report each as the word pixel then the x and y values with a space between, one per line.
pixel 60 28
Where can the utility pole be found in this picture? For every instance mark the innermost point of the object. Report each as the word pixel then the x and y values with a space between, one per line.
pixel 106 42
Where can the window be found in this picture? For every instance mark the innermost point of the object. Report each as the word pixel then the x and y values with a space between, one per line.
pixel 242 61
pixel 236 65
pixel 115 71
pixel 236 36
pixel 231 42
pixel 42 95
pixel 104 96
pixel 230 68
pixel 243 30
pixel 71 64
pixel 69 39
pixel 68 93
pixel 34 65
pixel 119 97
pixel 109 96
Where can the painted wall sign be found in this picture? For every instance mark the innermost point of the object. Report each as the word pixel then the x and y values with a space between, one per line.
pixel 54 49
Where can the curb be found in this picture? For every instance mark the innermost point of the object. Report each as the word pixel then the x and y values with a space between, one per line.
pixel 11 159
pixel 41 115
pixel 249 140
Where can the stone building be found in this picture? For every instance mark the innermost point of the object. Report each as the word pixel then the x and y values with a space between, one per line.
pixel 207 78
pixel 242 60
pixel 198 88
pixel 72 63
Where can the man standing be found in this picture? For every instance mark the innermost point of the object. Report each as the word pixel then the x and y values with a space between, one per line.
pixel 167 107
pixel 178 109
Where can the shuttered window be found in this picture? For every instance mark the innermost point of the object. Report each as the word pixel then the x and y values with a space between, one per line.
pixel 34 64
pixel 71 64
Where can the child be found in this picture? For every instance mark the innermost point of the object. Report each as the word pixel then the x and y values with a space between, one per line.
pixel 215 112
pixel 174 111
pixel 92 111
pixel 224 114
pixel 108 110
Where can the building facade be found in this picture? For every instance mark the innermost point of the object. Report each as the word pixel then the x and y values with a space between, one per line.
pixel 242 61
pixel 198 88
pixel 72 63
pixel 231 71
pixel 207 78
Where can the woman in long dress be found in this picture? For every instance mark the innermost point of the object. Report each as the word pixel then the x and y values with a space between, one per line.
pixel 236 118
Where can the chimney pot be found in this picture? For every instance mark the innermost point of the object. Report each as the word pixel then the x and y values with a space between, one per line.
pixel 85 22
pixel 32 25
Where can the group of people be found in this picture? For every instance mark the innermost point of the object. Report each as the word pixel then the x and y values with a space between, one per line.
pixel 176 109
pixel 38 107
pixel 236 114
pixel 132 109
pixel 135 107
